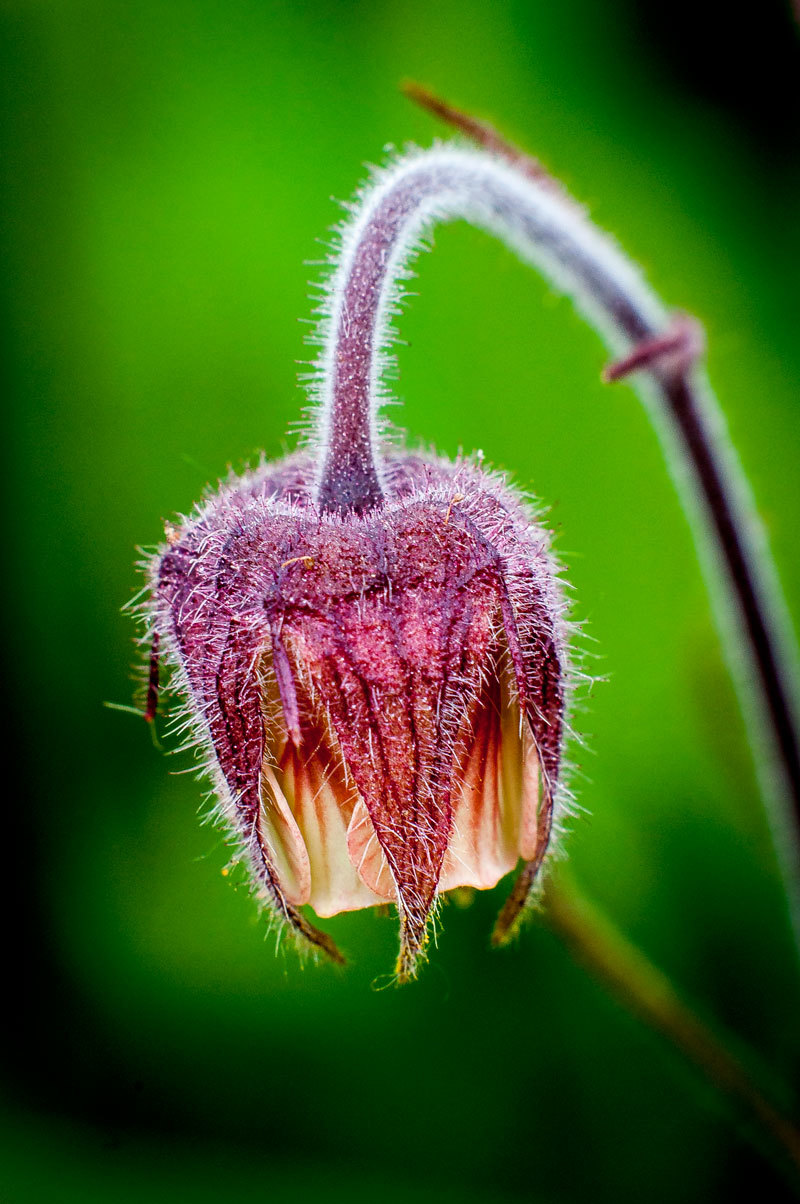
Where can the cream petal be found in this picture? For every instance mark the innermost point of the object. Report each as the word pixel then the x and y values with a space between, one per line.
pixel 367 856
pixel 322 804
pixel 495 794
pixel 283 840
pixel 307 804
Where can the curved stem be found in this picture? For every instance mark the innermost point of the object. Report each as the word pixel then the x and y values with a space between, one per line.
pixel 404 202
pixel 647 992
pixel 502 191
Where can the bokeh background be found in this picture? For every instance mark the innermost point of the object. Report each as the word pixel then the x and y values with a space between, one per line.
pixel 168 169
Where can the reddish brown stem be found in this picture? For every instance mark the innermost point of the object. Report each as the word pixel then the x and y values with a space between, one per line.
pixel 648 993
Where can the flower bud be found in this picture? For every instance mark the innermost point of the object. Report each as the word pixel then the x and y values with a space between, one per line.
pixel 371 648
pixel 381 694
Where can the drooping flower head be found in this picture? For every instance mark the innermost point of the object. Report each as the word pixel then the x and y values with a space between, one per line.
pixel 370 643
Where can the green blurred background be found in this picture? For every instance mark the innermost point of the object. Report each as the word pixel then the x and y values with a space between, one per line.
pixel 167 170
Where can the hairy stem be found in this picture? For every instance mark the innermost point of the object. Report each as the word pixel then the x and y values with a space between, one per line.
pixel 647 992
pixel 499 189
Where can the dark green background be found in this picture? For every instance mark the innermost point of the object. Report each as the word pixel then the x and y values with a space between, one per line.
pixel 168 168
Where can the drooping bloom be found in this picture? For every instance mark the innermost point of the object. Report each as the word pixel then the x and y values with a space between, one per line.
pixel 370 643
pixel 381 693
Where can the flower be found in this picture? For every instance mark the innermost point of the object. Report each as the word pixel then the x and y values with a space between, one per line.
pixel 370 643
pixel 381 694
